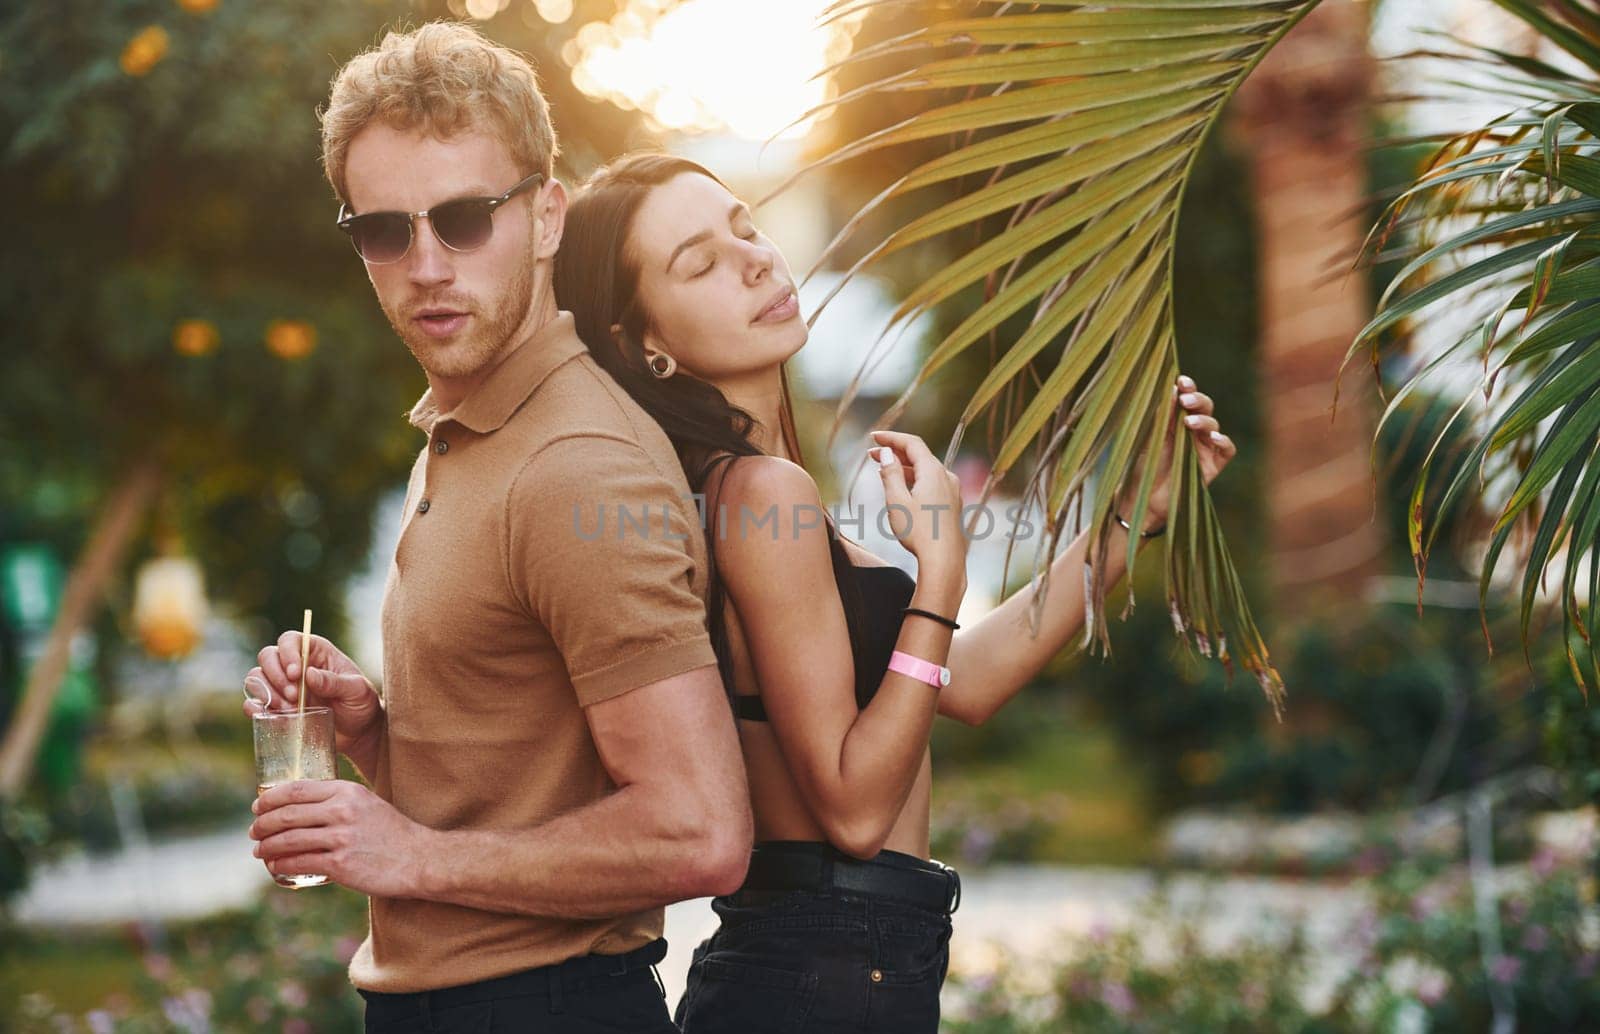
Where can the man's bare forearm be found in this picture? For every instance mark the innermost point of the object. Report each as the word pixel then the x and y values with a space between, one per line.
pixel 628 852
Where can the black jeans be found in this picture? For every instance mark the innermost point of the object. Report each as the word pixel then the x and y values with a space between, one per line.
pixel 820 961
pixel 592 994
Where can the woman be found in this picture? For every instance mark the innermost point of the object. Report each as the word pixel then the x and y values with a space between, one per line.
pixel 832 656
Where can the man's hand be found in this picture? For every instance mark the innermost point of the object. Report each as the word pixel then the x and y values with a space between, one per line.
pixel 332 680
pixel 341 830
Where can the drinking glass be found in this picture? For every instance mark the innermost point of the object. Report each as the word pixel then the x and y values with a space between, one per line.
pixel 294 745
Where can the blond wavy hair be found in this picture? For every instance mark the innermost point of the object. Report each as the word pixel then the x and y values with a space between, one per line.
pixel 443 78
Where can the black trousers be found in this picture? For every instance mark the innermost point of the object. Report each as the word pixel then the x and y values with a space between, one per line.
pixel 591 994
pixel 824 960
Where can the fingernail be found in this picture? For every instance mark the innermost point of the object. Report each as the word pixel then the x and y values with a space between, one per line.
pixel 255 807
pixel 1188 398
pixel 1186 382
pixel 1216 436
pixel 1193 420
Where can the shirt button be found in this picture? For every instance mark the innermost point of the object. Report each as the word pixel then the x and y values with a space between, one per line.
pixel 441 446
pixel 422 507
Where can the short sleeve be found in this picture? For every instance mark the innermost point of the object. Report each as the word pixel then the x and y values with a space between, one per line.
pixel 598 550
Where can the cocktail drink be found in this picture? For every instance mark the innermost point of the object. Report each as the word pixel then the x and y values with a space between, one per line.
pixel 293 745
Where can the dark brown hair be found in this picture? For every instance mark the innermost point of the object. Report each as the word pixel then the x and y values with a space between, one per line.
pixel 597 279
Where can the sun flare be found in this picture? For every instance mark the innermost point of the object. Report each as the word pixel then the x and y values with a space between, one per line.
pixel 728 66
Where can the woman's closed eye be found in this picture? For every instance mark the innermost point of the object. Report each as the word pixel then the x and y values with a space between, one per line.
pixel 711 264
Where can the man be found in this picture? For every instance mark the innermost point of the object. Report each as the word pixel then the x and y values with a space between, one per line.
pixel 552 759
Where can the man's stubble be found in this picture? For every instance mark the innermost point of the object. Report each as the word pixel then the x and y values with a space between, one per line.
pixel 486 340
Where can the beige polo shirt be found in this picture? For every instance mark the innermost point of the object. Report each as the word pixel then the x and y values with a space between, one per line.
pixel 550 558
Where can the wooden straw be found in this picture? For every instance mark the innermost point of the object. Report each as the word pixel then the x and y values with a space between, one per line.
pixel 305 657
pixel 305 654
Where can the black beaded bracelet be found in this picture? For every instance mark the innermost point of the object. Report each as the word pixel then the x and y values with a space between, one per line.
pixel 930 614
pixel 1143 534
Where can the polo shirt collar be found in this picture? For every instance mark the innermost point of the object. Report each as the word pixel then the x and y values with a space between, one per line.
pixel 489 405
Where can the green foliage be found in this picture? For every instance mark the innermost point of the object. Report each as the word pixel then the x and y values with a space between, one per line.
pixel 1077 128
pixel 279 966
pixel 177 290
pixel 1420 966
pixel 179 293
pixel 1425 961
pixel 1502 226
pixel 1117 983
pixel 1389 710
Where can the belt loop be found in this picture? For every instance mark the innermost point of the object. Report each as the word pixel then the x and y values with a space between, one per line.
pixel 955 889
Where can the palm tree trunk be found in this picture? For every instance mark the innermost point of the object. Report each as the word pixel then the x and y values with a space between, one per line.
pixel 1303 117
pixel 102 557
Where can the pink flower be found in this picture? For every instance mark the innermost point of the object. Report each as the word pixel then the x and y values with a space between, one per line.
pixel 1504 968
pixel 1431 987
pixel 158 966
pixel 1537 938
pixel 1117 997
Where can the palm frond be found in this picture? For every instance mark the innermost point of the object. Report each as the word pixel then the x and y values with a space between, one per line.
pixel 1513 229
pixel 1080 124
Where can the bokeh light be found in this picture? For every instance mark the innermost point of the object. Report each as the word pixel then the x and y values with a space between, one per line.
pixel 729 66
pixel 144 51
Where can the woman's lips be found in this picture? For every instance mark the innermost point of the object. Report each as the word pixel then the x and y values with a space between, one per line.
pixel 787 309
pixel 443 324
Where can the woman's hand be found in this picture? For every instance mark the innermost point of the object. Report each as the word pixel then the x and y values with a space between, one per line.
pixel 1214 449
pixel 923 499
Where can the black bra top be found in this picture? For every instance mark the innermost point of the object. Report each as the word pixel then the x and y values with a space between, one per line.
pixel 880 593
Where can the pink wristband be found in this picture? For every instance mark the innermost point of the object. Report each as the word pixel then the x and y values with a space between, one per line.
pixel 935 675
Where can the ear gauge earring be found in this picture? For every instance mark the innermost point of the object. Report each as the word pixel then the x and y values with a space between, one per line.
pixel 663 366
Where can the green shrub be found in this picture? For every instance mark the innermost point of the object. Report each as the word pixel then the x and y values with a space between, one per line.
pixel 279 966
pixel 1426 964
pixel 1154 976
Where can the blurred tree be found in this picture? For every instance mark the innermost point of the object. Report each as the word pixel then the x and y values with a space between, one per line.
pixel 185 324
pixel 1304 117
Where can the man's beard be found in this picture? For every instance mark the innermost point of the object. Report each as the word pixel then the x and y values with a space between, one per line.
pixel 486 339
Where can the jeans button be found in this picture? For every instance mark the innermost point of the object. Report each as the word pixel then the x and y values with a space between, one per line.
pixel 877 976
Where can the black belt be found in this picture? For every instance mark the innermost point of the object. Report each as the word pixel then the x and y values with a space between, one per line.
pixel 549 980
pixel 804 865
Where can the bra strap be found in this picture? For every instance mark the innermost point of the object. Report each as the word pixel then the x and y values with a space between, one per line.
pixel 749 707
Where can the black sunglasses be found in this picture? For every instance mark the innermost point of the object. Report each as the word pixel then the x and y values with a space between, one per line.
pixel 460 225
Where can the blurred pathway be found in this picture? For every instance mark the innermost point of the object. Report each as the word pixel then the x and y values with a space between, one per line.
pixel 1030 912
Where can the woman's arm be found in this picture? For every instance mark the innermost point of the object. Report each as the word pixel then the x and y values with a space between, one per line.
pixel 855 769
pixel 992 660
